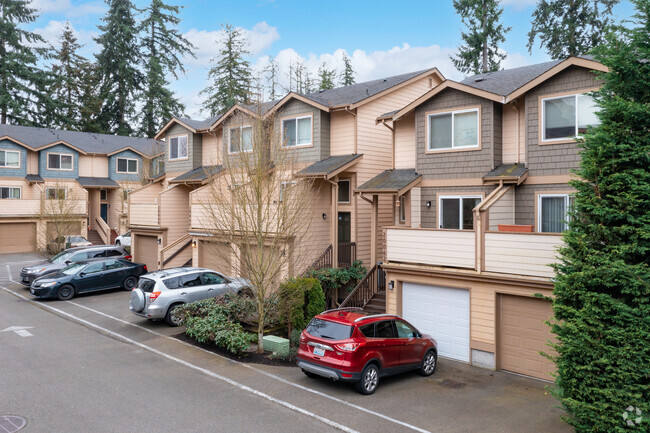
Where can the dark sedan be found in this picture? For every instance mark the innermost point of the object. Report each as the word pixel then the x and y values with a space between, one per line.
pixel 88 276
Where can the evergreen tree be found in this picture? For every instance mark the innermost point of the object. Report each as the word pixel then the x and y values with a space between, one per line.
pixel 118 62
pixel 91 101
pixel 602 288
pixel 271 75
pixel 347 76
pixel 23 84
pixel 569 27
pixel 326 77
pixel 231 74
pixel 481 50
pixel 164 47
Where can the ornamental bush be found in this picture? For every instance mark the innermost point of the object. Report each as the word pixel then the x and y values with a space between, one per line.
pixel 333 279
pixel 300 299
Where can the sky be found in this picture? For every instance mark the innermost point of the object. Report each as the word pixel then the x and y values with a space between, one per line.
pixel 383 38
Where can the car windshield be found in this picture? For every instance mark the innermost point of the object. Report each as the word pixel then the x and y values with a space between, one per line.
pixel 61 257
pixel 146 285
pixel 330 330
pixel 73 269
pixel 77 239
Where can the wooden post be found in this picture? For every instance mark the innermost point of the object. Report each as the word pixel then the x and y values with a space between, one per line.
pixel 334 227
pixel 374 216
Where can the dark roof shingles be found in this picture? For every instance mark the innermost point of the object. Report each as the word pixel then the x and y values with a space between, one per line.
pixel 103 182
pixel 390 180
pixel 328 165
pixel 198 174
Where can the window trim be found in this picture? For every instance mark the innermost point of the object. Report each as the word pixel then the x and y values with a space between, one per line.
pixel 47 193
pixel 296 117
pixel 284 185
pixel 467 109
pixel 47 161
pixel 20 157
pixel 402 208
pixel 241 128
pixel 20 192
pixel 541 115
pixel 538 207
pixel 137 165
pixel 169 147
pixel 480 196
pixel 349 181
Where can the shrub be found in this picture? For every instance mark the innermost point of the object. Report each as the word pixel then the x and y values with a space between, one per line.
pixel 300 299
pixel 333 279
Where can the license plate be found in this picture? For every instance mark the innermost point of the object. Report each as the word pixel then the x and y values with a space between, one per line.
pixel 319 352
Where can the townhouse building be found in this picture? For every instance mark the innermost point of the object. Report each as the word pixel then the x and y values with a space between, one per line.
pixel 480 193
pixel 55 182
pixel 333 136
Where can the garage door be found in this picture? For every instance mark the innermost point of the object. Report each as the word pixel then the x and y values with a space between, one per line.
pixel 17 237
pixel 146 251
pixel 215 256
pixel 523 334
pixel 441 312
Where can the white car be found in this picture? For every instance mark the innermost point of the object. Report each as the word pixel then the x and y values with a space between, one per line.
pixel 124 239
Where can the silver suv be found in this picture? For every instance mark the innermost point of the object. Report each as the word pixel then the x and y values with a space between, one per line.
pixel 159 293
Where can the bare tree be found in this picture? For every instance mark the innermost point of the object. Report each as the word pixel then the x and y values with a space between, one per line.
pixel 62 210
pixel 260 211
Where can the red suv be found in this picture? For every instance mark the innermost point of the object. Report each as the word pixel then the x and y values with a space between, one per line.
pixel 352 346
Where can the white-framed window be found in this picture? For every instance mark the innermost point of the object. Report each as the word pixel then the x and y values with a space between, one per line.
pixel 103 194
pixel 455 211
pixel 59 161
pixel 402 208
pixel 553 212
pixel 178 147
pixel 284 186
pixel 344 191
pixel 127 165
pixel 297 131
pixel 453 130
pixel 566 117
pixel 240 139
pixel 10 192
pixel 56 193
pixel 10 158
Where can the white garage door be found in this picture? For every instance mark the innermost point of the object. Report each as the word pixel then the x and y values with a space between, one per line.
pixel 441 312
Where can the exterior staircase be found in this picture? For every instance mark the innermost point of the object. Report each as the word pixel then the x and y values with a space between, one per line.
pixel 377 304
pixel 94 237
pixel 114 235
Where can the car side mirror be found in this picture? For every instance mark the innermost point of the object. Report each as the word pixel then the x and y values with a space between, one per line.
pixel 82 274
pixel 67 262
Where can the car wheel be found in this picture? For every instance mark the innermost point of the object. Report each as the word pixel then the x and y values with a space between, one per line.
pixel 310 374
pixel 118 243
pixel 369 380
pixel 130 283
pixel 65 293
pixel 171 318
pixel 429 363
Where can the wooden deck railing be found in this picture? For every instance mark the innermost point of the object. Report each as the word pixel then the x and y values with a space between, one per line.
pixel 347 254
pixel 323 261
pixel 374 282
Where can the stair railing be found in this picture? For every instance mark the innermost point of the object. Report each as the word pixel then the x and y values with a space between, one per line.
pixel 103 230
pixel 323 261
pixel 373 283
pixel 174 249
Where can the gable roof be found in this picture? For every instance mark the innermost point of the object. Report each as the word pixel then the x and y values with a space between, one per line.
pixel 198 175
pixel 191 124
pixel 391 181
pixel 330 166
pixel 85 142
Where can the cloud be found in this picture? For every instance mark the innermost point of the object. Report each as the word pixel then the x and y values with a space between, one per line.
pixel 52 31
pixel 91 8
pixel 50 6
pixel 519 4
pixel 66 8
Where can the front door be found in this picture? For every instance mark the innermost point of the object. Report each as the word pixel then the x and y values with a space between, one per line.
pixel 345 227
pixel 103 212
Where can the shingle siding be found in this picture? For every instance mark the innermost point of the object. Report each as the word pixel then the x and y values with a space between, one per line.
pixel 525 200
pixel 320 148
pixel 14 172
pixel 497 134
pixel 183 164
pixel 553 159
pixel 58 174
pixel 460 164
pixel 112 167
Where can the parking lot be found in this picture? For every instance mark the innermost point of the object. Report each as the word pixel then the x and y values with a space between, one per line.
pixel 90 365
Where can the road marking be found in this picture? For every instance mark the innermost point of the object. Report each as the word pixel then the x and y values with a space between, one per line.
pixel 207 372
pixel 271 375
pixel 20 330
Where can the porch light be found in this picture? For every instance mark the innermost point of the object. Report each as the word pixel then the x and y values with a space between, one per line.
pixel 391 285
pixel 324 215
pixel 428 204
pixel 194 244
pixel 159 241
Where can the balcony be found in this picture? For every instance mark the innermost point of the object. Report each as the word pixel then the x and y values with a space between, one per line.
pixel 20 207
pixel 521 253
pixel 453 248
pixel 144 214
pixel 32 208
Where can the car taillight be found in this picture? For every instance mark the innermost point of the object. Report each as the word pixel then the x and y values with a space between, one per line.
pixel 303 337
pixel 348 347
pixel 153 296
pixel 128 257
pixel 145 268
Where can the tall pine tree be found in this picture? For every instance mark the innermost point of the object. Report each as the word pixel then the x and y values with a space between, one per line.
pixel 347 76
pixel 231 74
pixel 326 77
pixel 118 65
pixel 165 47
pixel 24 95
pixel 271 75
pixel 602 288
pixel 569 27
pixel 481 50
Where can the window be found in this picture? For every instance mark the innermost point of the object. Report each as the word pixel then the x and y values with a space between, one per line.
pixel 330 330
pixel 103 194
pixel 56 193
pixel 566 117
pixel 59 161
pixel 456 212
pixel 404 330
pixel 93 268
pixel 191 280
pixel 385 329
pixel 96 254
pixel 344 191
pixel 368 330
pixel 171 283
pixel 241 139
pixel 10 158
pixel 113 253
pixel 212 278
pixel 10 192
pixel 284 186
pixel 178 147
pixel 115 264
pixel 127 165
pixel 453 130
pixel 553 212
pixel 297 131
pixel 402 208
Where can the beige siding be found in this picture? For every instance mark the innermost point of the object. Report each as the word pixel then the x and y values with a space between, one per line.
pixel 211 145
pixel 431 247
pixel 521 253
pixel 216 256
pixel 503 211
pixel 144 214
pixel 175 212
pixel 32 162
pixel 509 132
pixel 28 191
pixel 416 201
pixel 342 133
pixel 93 166
pixel 405 142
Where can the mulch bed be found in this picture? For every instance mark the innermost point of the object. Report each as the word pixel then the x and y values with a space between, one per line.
pixel 250 356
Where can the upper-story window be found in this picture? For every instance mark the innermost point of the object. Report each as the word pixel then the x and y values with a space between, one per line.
pixel 455 212
pixel 178 147
pixel 10 192
pixel 297 131
pixel 59 161
pixel 284 186
pixel 240 139
pixel 554 212
pixel 56 193
pixel 402 208
pixel 453 130
pixel 10 158
pixel 566 117
pixel 127 165
pixel 344 191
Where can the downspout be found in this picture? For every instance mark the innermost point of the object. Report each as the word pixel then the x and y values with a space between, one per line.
pixel 392 130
